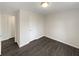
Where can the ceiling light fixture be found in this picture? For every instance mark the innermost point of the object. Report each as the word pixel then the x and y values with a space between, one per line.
pixel 44 4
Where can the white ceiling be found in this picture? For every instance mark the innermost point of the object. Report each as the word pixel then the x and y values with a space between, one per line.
pixel 36 7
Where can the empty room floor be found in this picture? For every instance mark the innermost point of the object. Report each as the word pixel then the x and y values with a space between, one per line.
pixel 40 47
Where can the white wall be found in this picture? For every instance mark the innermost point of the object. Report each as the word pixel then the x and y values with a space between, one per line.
pixel 30 25
pixel 64 27
pixel 0 34
pixel 0 46
pixel 7 26
pixel 17 27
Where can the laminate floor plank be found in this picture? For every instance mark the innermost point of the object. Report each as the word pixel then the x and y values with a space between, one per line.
pixel 40 47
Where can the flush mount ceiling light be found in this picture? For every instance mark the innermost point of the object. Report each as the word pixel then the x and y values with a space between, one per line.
pixel 44 4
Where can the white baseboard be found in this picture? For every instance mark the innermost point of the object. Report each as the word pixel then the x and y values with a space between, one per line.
pixel 54 38
pixel 21 45
pixel 6 38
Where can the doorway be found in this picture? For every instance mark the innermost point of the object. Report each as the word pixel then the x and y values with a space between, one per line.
pixel 8 31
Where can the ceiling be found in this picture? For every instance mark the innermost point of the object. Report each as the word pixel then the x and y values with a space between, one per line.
pixel 36 7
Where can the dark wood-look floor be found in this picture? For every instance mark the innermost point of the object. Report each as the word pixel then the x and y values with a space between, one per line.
pixel 41 47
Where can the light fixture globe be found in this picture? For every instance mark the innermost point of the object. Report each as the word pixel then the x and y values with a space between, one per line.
pixel 44 4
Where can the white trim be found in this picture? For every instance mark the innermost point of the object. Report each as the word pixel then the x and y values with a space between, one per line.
pixel 6 38
pixel 21 45
pixel 54 38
